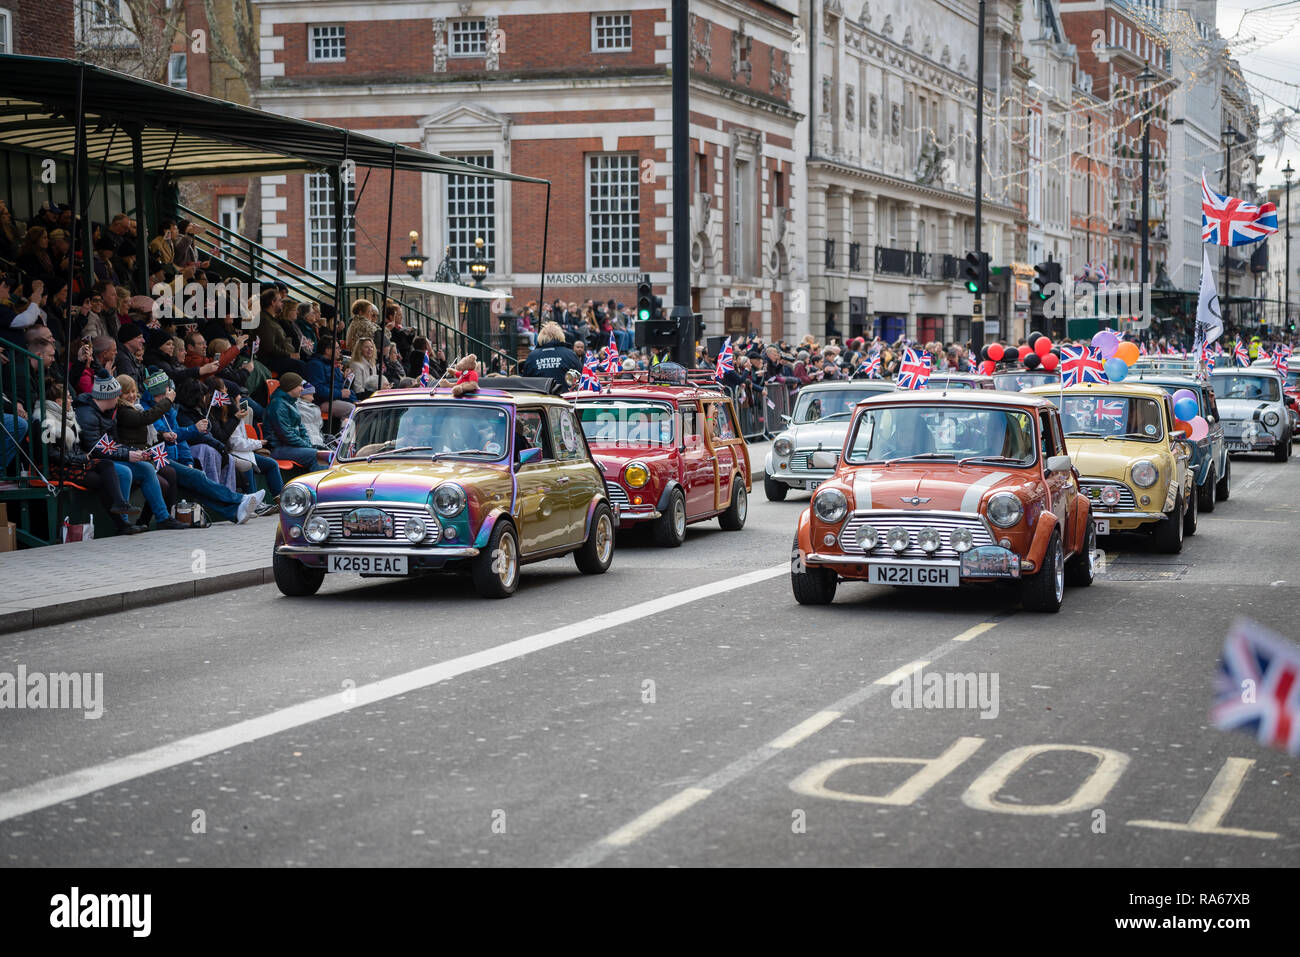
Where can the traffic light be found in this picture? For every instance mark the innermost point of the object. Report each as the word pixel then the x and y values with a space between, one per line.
pixel 1041 279
pixel 975 272
pixel 699 327
pixel 657 307
pixel 645 298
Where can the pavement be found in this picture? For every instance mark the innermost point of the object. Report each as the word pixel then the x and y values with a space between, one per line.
pixel 60 583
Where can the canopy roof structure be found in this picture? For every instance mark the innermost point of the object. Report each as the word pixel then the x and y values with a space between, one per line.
pixel 183 134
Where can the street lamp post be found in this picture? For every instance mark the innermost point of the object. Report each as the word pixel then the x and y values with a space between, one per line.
pixel 977 307
pixel 1145 78
pixel 1287 173
pixel 479 267
pixel 414 261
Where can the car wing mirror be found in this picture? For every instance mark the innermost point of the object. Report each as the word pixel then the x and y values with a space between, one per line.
pixel 1058 463
pixel 526 456
pixel 785 418
pixel 825 460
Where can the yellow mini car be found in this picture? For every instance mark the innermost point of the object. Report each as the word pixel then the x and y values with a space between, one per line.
pixel 1133 463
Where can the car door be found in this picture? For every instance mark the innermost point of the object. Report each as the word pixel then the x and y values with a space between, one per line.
pixel 1060 484
pixel 576 478
pixel 1218 443
pixel 723 437
pixel 542 508
pixel 1182 451
pixel 698 476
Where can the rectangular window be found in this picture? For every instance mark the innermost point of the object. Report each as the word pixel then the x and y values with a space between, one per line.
pixel 320 226
pixel 613 211
pixel 106 13
pixel 177 71
pixel 740 209
pixel 611 32
pixel 327 43
pixel 6 32
pixel 778 188
pixel 701 173
pixel 469 38
pixel 471 213
pixel 229 210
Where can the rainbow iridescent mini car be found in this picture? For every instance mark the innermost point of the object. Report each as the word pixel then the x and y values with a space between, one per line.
pixel 423 481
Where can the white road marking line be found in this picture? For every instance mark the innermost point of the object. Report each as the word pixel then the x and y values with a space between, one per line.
pixel 898 674
pixel 68 787
pixel 972 633
pixel 651 819
pixel 805 729
pixel 661 813
pixel 1218 800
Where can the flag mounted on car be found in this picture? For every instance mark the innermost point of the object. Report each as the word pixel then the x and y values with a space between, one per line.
pixel 914 371
pixel 725 361
pixel 1081 364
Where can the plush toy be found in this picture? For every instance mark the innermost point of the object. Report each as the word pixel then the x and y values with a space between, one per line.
pixel 466 376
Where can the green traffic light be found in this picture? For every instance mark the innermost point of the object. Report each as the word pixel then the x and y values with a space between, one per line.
pixel 643 314
pixel 972 286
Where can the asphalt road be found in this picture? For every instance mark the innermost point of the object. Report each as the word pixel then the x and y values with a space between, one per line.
pixel 680 710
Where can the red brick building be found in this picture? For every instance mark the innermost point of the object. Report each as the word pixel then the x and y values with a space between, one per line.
pixel 37 28
pixel 580 98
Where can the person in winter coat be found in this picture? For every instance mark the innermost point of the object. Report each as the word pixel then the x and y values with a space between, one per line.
pixel 365 375
pixel 246 452
pixel 62 436
pixel 289 440
pixel 133 422
pixel 274 349
pixel 323 371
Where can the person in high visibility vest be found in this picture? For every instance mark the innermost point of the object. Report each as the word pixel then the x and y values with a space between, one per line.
pixel 1254 348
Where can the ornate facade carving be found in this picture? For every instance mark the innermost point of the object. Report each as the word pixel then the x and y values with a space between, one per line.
pixel 873 113
pixel 702 48
pixel 742 44
pixel 888 28
pixel 907 36
pixel 778 78
pixel 850 105
pixel 493 59
pixel 864 16
pixel 439 45
pixel 830 13
pixel 895 121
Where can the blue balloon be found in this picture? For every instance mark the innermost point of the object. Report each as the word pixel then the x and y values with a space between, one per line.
pixel 1186 409
pixel 1116 369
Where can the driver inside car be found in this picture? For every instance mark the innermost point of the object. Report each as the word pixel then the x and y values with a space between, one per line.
pixel 908 436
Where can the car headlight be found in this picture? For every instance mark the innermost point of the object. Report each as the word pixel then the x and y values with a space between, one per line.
pixel 868 537
pixel 1110 496
pixel 830 505
pixel 898 539
pixel 783 447
pixel 1271 418
pixel 963 540
pixel 316 529
pixel 636 474
pixel 449 500
pixel 929 539
pixel 295 499
pixel 1145 474
pixel 1005 510
pixel 416 529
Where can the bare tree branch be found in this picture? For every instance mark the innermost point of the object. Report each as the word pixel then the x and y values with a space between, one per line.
pixel 240 50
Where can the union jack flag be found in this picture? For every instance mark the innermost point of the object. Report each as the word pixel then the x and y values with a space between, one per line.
pixel 106 445
pixel 1110 408
pixel 424 372
pixel 1240 354
pixel 1281 355
pixel 725 361
pixel 588 382
pixel 1102 275
pixel 1142 349
pixel 870 367
pixel 914 370
pixel 158 455
pixel 1256 689
pixel 1207 358
pixel 219 400
pixel 612 362
pixel 1227 221
pixel 971 364
pixel 1081 364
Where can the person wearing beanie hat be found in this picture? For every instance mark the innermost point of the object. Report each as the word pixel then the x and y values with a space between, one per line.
pixel 288 438
pixel 290 381
pixel 130 354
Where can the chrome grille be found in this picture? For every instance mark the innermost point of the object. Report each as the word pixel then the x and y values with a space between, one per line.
pixel 801 461
pixel 1127 502
pixel 946 523
pixel 400 513
pixel 617 495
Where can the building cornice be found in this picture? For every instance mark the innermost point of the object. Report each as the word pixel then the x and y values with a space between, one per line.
pixel 915 192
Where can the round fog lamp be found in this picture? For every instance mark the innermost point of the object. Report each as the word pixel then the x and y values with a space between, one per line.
pixel 828 539
pixel 898 539
pixel 316 529
pixel 962 540
pixel 449 534
pixel 1110 496
pixel 415 529
pixel 868 537
pixel 929 539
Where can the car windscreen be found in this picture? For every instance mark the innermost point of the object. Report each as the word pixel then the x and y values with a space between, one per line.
pixel 1111 416
pixel 1018 381
pixel 943 432
pixel 943 382
pixel 451 430
pixel 815 405
pixel 1292 377
pixel 614 422
pixel 1228 385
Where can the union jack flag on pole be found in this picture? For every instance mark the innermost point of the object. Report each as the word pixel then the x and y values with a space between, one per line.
pixel 914 371
pixel 1207 358
pixel 1281 355
pixel 870 368
pixel 1256 689
pixel 971 364
pixel 1240 355
pixel 158 455
pixel 1227 221
pixel 219 400
pixel 725 361
pixel 424 372
pixel 106 445
pixel 588 382
pixel 1081 364
pixel 612 362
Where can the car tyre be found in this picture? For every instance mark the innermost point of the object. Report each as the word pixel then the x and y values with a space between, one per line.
pixel 597 552
pixel 774 490
pixel 495 568
pixel 1225 484
pixel 811 586
pixel 669 529
pixel 1045 590
pixel 1192 515
pixel 1207 493
pixel 733 519
pixel 1282 451
pixel 295 579
pixel 1168 534
pixel 1081 569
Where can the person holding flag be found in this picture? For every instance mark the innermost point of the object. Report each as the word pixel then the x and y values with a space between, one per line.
pixel 726 364
pixel 589 382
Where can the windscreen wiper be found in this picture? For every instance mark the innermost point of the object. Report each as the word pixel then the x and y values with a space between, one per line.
pixel 402 451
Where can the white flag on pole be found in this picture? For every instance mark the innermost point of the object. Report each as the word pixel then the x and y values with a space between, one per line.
pixel 1209 313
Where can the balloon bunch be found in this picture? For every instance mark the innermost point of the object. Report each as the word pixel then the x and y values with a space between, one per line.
pixel 1038 353
pixel 1186 415
pixel 1117 355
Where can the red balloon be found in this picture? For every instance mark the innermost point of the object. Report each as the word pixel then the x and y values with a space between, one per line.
pixel 1024 351
pixel 1050 362
pixel 988 367
pixel 1043 346
pixel 997 351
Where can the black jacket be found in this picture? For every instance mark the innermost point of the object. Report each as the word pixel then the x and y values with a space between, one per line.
pixel 552 362
pixel 92 425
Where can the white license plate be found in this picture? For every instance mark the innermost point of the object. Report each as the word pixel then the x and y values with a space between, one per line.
pixel 812 486
pixel 899 573
pixel 1102 525
pixel 369 564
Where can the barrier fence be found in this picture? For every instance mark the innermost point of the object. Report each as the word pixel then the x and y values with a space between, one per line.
pixel 761 408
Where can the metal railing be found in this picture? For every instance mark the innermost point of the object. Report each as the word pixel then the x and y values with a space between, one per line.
pixel 27 459
pixel 761 408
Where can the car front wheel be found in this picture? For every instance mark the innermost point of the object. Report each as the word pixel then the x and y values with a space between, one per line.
pixel 1208 492
pixel 1045 590
pixel 1225 484
pixel 295 579
pixel 811 586
pixel 496 567
pixel 597 552
pixel 1169 533
pixel 1081 569
pixel 774 490
pixel 669 529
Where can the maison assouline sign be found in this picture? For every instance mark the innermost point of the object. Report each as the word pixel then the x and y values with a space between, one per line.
pixel 595 278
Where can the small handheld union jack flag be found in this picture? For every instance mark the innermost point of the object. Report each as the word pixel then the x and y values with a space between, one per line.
pixel 612 361
pixel 1281 356
pixel 158 455
pixel 1257 689
pixel 871 367
pixel 726 361
pixel 1240 355
pixel 588 381
pixel 1110 409
pixel 1081 364
pixel 1142 349
pixel 1207 358
pixel 106 445
pixel 424 372
pixel 219 400
pixel 971 364
pixel 914 371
